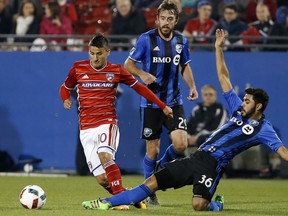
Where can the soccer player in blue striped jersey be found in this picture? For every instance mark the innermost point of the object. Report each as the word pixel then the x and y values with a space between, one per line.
pixel 247 127
pixel 163 52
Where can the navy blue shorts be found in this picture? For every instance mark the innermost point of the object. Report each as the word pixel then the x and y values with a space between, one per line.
pixel 199 170
pixel 153 119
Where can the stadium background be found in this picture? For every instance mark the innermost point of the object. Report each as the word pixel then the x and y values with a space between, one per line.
pixel 33 120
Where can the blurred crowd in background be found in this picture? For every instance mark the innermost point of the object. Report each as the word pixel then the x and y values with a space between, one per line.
pixel 39 25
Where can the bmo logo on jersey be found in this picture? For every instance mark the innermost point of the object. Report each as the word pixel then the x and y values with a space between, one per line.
pixel 247 129
pixel 161 59
pixel 235 120
pixel 165 60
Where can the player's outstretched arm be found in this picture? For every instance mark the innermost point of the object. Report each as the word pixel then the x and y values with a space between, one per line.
pixel 147 78
pixel 149 95
pixel 283 152
pixel 222 71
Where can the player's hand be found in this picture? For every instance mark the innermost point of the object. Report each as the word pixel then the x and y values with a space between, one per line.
pixel 67 104
pixel 193 94
pixel 220 38
pixel 168 112
pixel 147 78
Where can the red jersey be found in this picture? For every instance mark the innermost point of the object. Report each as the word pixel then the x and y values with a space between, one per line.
pixel 97 91
pixel 198 30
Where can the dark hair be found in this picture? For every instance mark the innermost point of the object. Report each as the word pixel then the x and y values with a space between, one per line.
pixel 99 40
pixel 55 9
pixel 259 96
pixel 27 2
pixel 170 6
pixel 231 6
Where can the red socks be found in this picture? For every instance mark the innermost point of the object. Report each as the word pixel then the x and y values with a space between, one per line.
pixel 114 177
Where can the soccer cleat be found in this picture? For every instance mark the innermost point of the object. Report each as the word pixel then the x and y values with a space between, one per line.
pixel 219 198
pixel 96 204
pixel 140 205
pixel 152 200
pixel 121 207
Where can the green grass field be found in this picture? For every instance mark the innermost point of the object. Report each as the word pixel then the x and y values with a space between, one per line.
pixel 64 197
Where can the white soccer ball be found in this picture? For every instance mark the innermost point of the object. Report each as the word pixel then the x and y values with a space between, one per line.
pixel 32 197
pixel 28 168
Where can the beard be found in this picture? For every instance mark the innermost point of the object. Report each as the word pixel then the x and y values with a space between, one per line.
pixel 165 31
pixel 246 114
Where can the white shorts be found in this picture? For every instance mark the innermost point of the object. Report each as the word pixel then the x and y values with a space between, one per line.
pixel 104 138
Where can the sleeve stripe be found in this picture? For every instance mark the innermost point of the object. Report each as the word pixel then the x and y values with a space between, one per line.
pixel 187 62
pixel 68 88
pixel 134 59
pixel 134 84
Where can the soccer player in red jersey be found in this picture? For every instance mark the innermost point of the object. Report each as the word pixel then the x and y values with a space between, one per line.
pixel 96 81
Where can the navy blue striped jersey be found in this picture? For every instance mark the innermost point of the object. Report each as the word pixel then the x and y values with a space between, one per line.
pixel 162 59
pixel 239 134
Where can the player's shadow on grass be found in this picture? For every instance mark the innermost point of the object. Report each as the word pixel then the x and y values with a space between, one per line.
pixel 10 139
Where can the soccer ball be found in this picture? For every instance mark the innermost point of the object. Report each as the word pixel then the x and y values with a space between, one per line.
pixel 32 197
pixel 28 168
